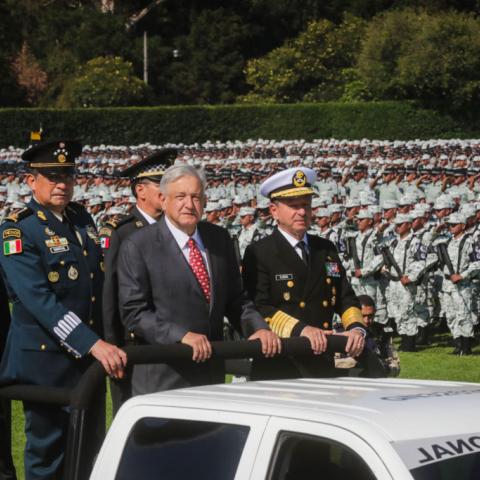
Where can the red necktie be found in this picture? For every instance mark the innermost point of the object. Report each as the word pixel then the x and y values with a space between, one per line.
pixel 197 265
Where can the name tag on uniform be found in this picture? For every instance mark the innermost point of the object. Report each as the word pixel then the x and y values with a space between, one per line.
pixel 59 249
pixel 333 269
pixel 283 276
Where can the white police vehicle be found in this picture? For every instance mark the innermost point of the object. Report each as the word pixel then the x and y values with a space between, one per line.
pixel 343 428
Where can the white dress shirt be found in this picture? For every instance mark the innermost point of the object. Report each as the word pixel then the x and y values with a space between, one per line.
pixel 182 240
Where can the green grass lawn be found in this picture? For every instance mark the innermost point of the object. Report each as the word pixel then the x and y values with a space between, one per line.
pixel 433 362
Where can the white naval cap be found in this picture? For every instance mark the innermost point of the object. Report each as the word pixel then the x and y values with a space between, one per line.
pixel 293 182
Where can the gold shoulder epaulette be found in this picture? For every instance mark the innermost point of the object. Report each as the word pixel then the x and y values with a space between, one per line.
pixel 19 215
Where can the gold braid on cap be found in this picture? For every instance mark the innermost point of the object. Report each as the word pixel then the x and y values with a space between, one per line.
pixel 282 324
pixel 151 173
pixel 49 165
pixel 352 315
pixel 292 192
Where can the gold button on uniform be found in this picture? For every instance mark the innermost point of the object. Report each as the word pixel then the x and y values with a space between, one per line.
pixel 334 290
pixel 92 275
pixel 93 299
pixel 290 284
pixel 91 322
pixel 329 280
pixel 302 304
pixel 325 303
pixel 43 346
pixel 85 253
pixel 326 324
pixel 62 262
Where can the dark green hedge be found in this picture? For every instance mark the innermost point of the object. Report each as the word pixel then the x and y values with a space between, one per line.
pixel 189 124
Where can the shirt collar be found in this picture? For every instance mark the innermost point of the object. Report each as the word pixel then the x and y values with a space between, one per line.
pixel 181 237
pixel 148 218
pixel 291 239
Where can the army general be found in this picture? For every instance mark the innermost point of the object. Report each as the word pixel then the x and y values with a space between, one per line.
pixel 52 264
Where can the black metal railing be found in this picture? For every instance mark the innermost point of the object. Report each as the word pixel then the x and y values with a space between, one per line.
pixel 78 463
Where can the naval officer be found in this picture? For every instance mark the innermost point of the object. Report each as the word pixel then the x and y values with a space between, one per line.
pixel 297 281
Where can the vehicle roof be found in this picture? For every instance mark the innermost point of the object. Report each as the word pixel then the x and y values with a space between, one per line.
pixel 397 409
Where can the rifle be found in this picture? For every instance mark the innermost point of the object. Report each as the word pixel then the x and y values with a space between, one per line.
pixel 352 250
pixel 444 258
pixel 390 262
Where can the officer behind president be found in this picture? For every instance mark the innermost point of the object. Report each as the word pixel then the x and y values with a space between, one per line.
pixel 297 280
pixel 145 179
pixel 52 265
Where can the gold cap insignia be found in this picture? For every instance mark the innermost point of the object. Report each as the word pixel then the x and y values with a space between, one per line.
pixel 62 158
pixel 72 273
pixel 299 179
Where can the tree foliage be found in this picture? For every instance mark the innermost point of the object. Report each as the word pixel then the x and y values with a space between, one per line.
pixel 308 68
pixel 104 82
pixel 253 50
pixel 29 75
pixel 412 54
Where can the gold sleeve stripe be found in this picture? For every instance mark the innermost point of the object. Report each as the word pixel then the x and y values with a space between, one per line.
pixel 352 315
pixel 282 324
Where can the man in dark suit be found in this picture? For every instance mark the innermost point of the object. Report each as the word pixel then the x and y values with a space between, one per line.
pixel 7 469
pixel 178 278
pixel 297 281
pixel 51 263
pixel 145 179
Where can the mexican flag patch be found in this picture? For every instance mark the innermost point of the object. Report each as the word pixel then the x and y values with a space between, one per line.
pixel 12 246
pixel 105 242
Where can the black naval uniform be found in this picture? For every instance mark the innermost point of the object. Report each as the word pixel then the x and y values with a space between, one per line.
pixel 291 294
pixel 112 236
pixel 53 273
pixel 7 469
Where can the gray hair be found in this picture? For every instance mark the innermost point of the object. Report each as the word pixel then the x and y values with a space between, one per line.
pixel 175 172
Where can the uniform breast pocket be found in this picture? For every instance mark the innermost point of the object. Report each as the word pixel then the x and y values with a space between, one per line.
pixel 62 271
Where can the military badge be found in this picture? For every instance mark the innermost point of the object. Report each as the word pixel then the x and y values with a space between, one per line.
pixel 41 216
pixel 49 232
pixel 72 273
pixel 11 247
pixel 12 232
pixel 56 241
pixel 102 266
pixel 53 277
pixel 286 296
pixel 299 179
pixel 105 231
pixel 61 153
pixel 333 269
pixel 139 224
